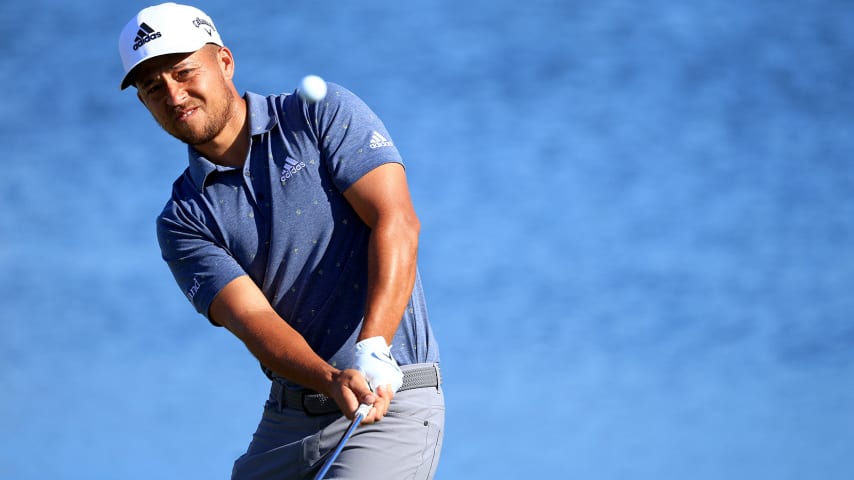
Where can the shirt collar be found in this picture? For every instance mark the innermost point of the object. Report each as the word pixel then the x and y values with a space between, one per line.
pixel 261 118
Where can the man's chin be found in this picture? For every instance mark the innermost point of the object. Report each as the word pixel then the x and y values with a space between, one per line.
pixel 190 137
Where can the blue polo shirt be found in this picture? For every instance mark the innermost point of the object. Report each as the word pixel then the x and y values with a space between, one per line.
pixel 282 220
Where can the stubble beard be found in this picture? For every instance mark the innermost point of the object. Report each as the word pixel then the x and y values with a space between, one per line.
pixel 216 121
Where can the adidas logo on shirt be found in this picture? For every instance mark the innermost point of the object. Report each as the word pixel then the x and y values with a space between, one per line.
pixel 290 169
pixel 144 35
pixel 378 141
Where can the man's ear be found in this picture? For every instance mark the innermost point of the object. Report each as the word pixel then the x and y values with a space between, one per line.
pixel 225 60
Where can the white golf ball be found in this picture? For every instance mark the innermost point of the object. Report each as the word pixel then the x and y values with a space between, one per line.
pixel 312 88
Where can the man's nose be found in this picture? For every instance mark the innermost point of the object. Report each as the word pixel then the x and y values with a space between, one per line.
pixel 175 93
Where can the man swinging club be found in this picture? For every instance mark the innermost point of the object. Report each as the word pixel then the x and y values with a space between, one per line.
pixel 293 228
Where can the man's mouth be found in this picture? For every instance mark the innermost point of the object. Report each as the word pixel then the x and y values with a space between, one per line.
pixel 185 114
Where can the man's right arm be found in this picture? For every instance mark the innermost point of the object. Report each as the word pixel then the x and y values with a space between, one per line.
pixel 243 309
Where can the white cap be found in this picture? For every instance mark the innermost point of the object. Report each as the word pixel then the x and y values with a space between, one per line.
pixel 161 30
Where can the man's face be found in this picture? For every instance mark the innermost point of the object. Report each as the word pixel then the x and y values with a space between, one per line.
pixel 188 94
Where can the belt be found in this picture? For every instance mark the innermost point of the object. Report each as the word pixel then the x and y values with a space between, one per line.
pixel 314 403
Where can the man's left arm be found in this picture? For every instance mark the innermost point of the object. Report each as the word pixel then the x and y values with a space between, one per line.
pixel 381 199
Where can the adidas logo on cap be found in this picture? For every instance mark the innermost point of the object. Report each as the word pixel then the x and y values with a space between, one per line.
pixel 144 35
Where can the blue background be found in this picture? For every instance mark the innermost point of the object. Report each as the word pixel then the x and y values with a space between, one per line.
pixel 638 235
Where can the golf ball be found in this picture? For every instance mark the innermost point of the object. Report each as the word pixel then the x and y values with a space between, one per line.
pixel 312 88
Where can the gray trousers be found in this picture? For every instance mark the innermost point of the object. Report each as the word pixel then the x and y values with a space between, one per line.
pixel 405 444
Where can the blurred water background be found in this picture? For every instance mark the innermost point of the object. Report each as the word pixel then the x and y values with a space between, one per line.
pixel 638 235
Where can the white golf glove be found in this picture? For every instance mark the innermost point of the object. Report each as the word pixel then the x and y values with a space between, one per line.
pixel 374 361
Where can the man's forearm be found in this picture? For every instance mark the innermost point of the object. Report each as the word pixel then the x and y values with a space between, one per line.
pixel 245 312
pixel 243 309
pixel 392 254
pixel 283 350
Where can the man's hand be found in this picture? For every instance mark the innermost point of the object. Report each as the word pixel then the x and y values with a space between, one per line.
pixel 351 389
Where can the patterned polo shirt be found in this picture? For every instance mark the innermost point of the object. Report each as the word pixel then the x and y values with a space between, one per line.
pixel 282 220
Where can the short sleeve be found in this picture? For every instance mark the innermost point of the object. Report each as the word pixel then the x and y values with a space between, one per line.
pixel 354 140
pixel 200 265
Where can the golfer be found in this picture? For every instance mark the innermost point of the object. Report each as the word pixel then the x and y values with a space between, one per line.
pixel 293 228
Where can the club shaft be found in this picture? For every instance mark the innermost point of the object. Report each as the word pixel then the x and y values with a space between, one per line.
pixel 360 415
